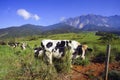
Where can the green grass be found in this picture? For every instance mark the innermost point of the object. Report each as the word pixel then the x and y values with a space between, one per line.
pixel 6 59
pixel 21 64
pixel 78 61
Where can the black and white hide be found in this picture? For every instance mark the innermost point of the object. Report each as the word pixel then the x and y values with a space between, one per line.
pixel 56 49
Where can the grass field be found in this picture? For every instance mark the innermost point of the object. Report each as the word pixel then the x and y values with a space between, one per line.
pixel 18 64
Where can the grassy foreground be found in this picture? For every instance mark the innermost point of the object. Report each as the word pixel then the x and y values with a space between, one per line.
pixel 17 64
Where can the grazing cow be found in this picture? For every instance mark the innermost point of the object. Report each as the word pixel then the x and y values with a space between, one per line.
pixel 56 49
pixel 23 46
pixel 13 44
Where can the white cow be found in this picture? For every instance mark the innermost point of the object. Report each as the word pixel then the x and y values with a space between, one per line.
pixel 56 49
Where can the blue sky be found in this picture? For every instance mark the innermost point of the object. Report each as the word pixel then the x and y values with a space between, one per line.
pixel 48 12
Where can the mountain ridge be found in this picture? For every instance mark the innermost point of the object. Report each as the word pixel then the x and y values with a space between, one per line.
pixel 77 24
pixel 97 20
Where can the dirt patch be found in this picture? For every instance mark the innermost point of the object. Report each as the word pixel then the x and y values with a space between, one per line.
pixel 92 71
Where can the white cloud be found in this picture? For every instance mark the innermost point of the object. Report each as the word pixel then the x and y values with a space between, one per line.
pixel 36 17
pixel 27 15
pixel 62 19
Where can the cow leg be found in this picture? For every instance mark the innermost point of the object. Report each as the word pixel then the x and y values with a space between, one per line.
pixel 49 57
pixel 83 54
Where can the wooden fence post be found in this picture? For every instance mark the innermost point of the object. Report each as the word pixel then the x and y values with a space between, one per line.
pixel 107 61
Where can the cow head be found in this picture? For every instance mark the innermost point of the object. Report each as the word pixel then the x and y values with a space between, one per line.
pixel 38 52
pixel 81 50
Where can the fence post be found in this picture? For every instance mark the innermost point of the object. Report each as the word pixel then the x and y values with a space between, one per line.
pixel 107 61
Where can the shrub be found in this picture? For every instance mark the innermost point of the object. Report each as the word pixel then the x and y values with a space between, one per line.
pixel 79 61
pixel 33 38
pixel 63 65
pixel 112 58
pixel 28 68
pixel 99 58
pixel 117 57
pixel 114 75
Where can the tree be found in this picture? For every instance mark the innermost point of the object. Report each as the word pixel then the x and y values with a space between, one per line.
pixel 108 38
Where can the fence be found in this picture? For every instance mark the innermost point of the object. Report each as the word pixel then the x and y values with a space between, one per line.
pixel 107 62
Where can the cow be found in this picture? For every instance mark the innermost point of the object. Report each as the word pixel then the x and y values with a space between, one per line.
pixel 56 48
pixel 23 45
pixel 13 44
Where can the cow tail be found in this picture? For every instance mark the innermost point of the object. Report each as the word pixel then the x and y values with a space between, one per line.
pixel 43 47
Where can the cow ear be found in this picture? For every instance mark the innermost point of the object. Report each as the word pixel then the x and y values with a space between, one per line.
pixel 70 41
pixel 89 49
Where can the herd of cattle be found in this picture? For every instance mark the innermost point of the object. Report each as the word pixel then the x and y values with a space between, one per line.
pixel 23 45
pixel 55 49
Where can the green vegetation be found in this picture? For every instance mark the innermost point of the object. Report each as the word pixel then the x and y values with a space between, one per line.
pixel 108 38
pixel 114 75
pixel 79 61
pixel 17 64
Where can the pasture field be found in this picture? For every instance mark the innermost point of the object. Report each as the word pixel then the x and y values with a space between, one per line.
pixel 18 64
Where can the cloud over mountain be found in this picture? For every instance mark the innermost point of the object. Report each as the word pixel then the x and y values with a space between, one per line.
pixel 36 17
pixel 27 15
pixel 62 19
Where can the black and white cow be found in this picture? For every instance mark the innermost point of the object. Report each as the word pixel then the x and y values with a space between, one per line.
pixel 23 45
pixel 56 49
pixel 13 44
pixel 38 51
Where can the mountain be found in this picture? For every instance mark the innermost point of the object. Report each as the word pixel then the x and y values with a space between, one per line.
pixel 61 28
pixel 30 30
pixel 20 31
pixel 88 22
pixel 94 22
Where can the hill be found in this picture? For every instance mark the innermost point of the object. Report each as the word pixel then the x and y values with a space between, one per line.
pixel 60 28
pixel 30 30
pixel 88 22
pixel 20 31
